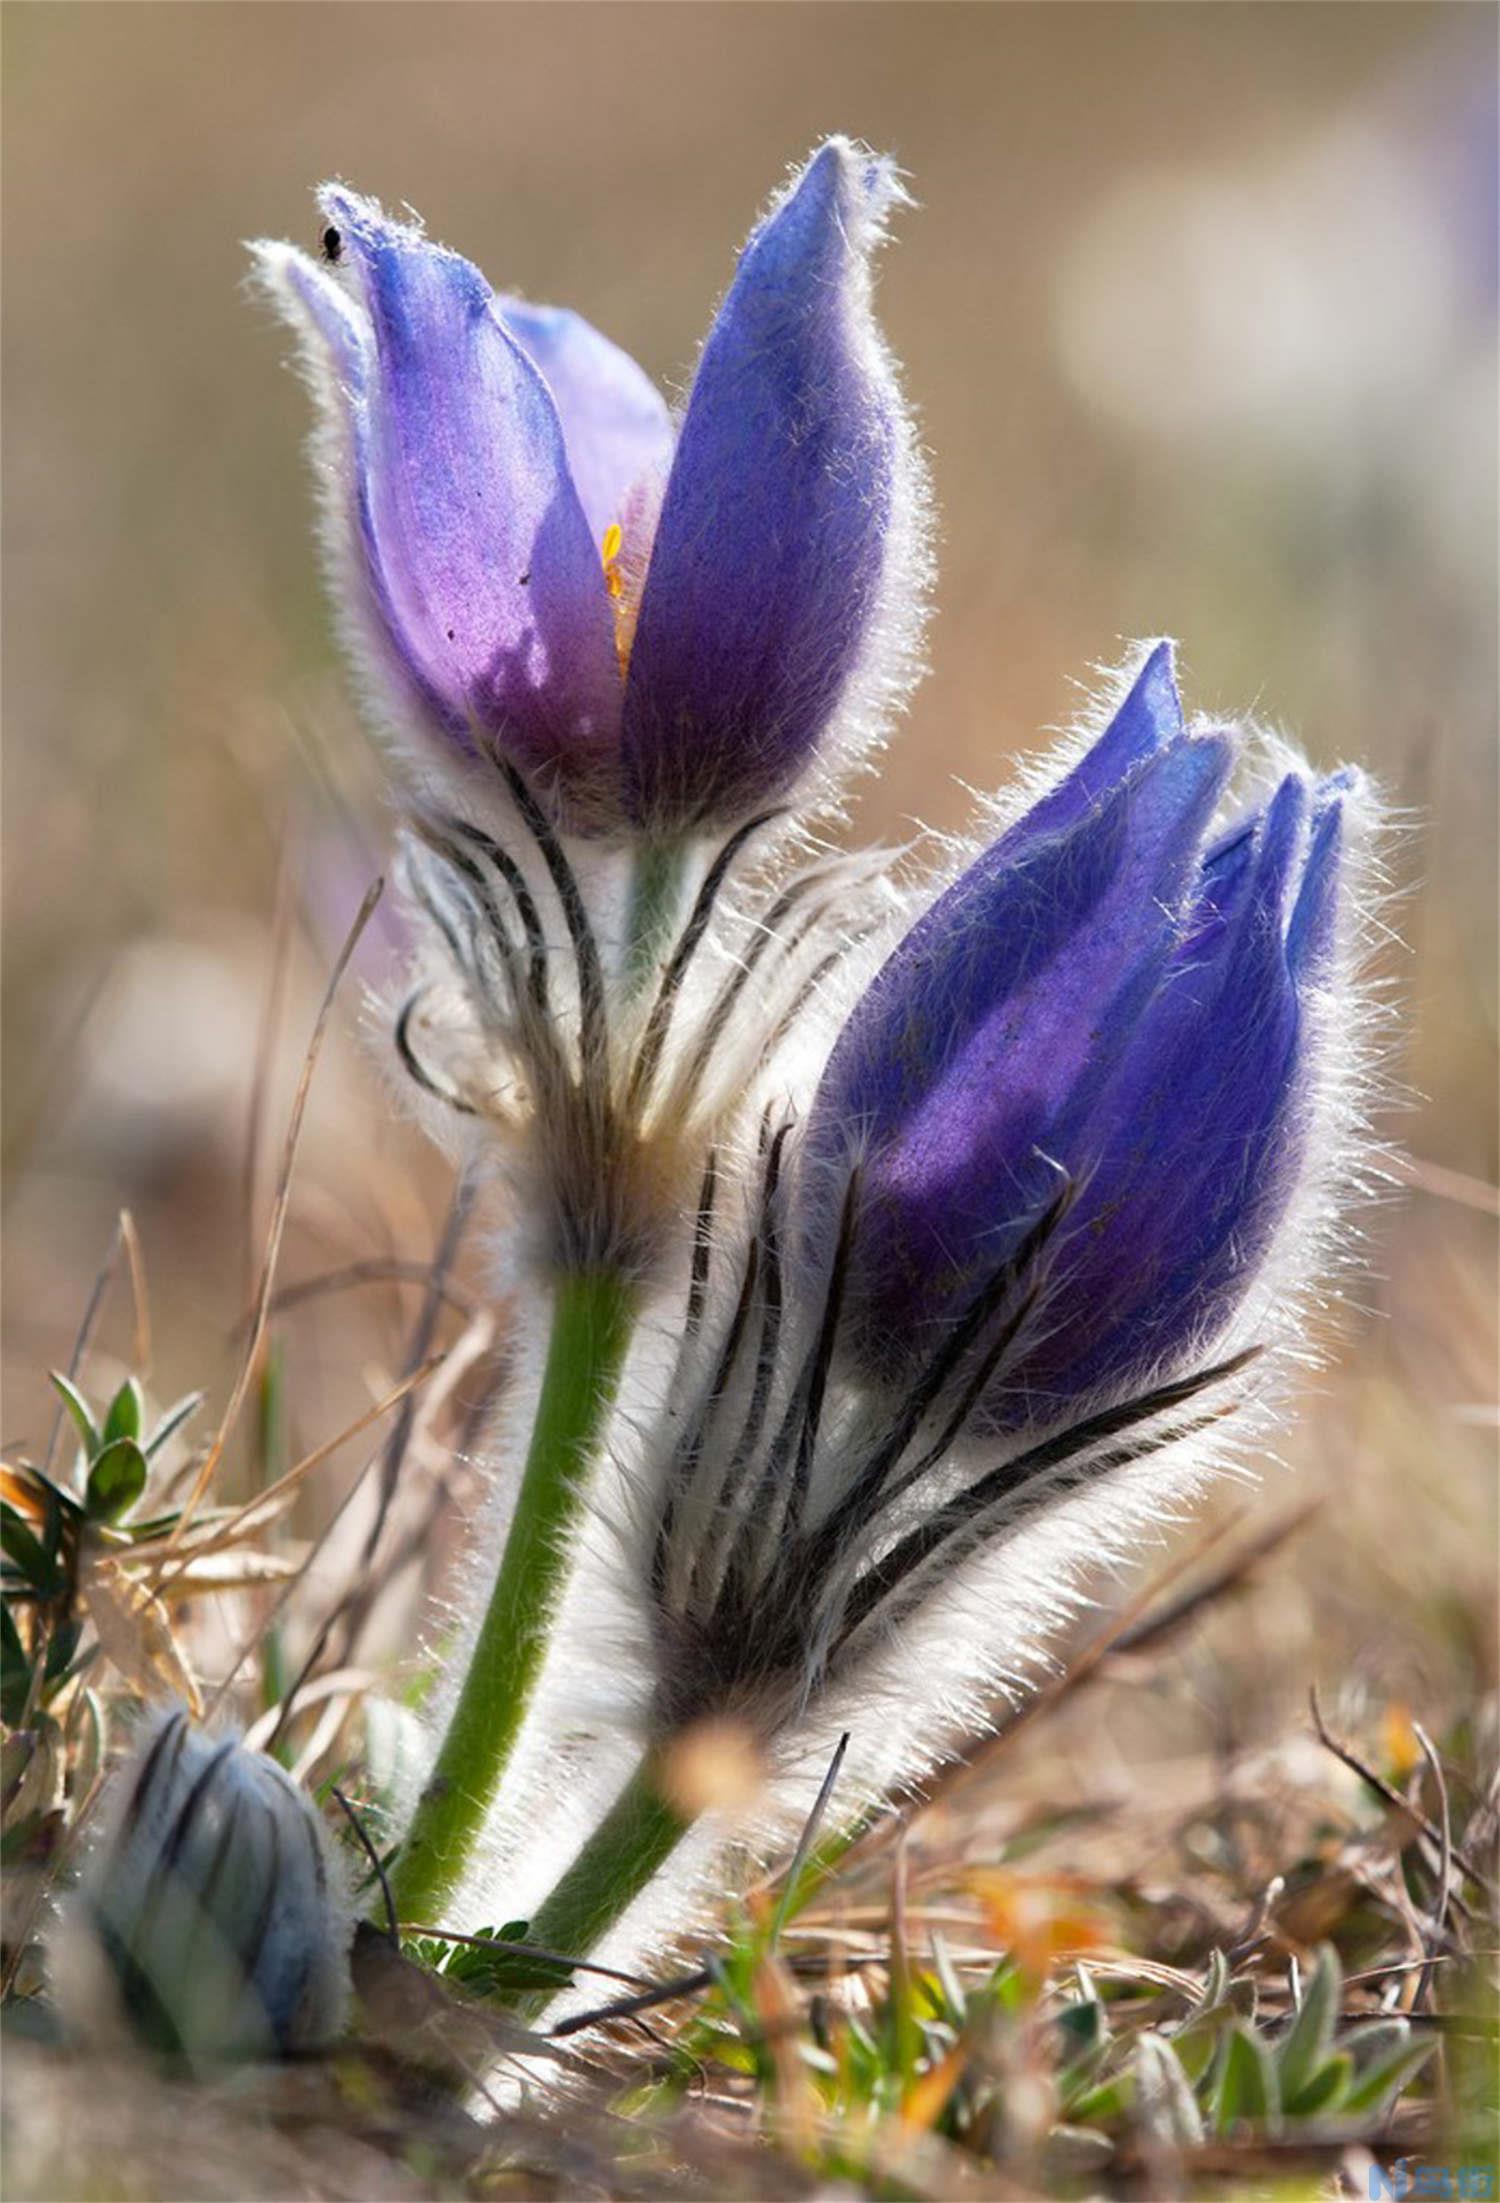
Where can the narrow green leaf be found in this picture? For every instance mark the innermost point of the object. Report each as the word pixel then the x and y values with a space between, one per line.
pixel 126 1414
pixel 172 1422
pixel 1196 2042
pixel 61 1646
pixel 116 1480
pixel 1323 2091
pixel 1102 2106
pixel 954 1999
pixel 36 1564
pixel 15 1671
pixel 1380 2084
pixel 1310 2037
pixel 1215 1982
pixel 51 1494
pixel 1081 2026
pixel 1164 2101
pixel 78 1408
pixel 1247 2086
pixel 1375 2040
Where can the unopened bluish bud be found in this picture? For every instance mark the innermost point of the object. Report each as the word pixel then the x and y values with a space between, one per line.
pixel 1120 1007
pixel 215 1902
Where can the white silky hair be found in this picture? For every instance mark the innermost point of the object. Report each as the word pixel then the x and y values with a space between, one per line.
pixel 980 1636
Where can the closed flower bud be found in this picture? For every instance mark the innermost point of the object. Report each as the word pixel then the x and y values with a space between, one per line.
pixel 1070 1167
pixel 1129 999
pixel 215 1904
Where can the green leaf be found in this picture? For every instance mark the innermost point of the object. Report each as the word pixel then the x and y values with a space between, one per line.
pixel 1323 2091
pixel 1164 2100
pixel 487 1968
pixel 15 1671
pixel 1215 1983
pixel 954 2004
pixel 116 1480
pixel 1196 2042
pixel 1375 2041
pixel 126 1414
pixel 51 1494
pixel 78 1408
pixel 61 1646
pixel 1310 2037
pixel 1082 2027
pixel 36 1564
pixel 1380 2084
pixel 1102 2106
pixel 172 1422
pixel 1247 2085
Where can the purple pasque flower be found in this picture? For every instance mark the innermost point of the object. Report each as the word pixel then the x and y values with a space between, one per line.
pixel 1107 1022
pixel 658 626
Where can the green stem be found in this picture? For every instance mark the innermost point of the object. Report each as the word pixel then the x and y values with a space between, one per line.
pixel 656 886
pixel 637 1835
pixel 591 1326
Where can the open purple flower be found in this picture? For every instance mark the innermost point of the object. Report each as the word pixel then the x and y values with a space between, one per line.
pixel 659 627
pixel 1104 1024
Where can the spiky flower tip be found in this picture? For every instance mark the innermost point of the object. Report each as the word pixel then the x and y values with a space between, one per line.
pixel 213 1914
pixel 1039 1244
pixel 616 649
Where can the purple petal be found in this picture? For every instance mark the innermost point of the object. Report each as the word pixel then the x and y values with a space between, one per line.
pixel 480 555
pixel 1148 718
pixel 1192 1154
pixel 1006 1006
pixel 326 308
pixel 615 421
pixel 770 555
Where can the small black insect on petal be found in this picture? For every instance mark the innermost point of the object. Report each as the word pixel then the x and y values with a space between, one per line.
pixel 333 244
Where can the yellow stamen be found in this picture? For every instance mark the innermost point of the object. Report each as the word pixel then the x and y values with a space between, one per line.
pixel 617 584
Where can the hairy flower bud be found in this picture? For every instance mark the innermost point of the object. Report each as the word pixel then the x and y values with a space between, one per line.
pixel 215 1904
pixel 1068 1168
pixel 1120 998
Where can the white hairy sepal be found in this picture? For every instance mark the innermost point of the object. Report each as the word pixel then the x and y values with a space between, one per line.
pixel 599 1117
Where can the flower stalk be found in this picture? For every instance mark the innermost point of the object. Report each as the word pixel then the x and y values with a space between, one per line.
pixel 592 1322
pixel 626 1851
pixel 658 881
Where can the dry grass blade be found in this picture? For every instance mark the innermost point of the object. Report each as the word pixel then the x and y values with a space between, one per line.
pixel 103 1278
pixel 256 1512
pixel 215 1454
pixel 420 1351
pixel 140 1299
pixel 135 1633
pixel 373 1270
pixel 1393 1798
pixel 265 1042
pixel 1437 1930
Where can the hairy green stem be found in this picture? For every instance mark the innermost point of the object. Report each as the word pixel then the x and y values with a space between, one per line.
pixel 656 890
pixel 591 1327
pixel 636 1837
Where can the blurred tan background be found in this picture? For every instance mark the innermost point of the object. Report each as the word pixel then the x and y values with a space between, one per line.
pixel 1198 309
